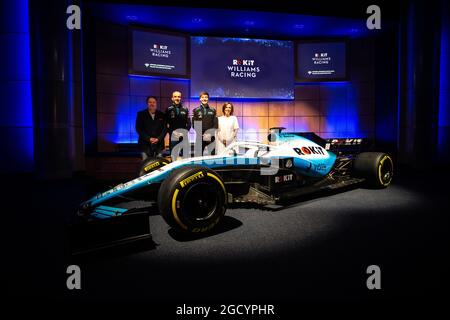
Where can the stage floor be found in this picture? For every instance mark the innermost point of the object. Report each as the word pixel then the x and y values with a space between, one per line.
pixel 314 250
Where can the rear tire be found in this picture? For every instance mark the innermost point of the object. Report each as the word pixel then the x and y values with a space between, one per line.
pixel 152 164
pixel 192 199
pixel 376 167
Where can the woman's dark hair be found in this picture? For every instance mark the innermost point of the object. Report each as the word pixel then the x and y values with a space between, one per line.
pixel 225 105
pixel 150 97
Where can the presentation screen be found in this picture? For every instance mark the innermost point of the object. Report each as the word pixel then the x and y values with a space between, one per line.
pixel 321 61
pixel 159 53
pixel 242 68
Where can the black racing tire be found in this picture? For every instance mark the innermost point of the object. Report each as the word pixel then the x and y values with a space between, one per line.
pixel 152 164
pixel 192 199
pixel 376 167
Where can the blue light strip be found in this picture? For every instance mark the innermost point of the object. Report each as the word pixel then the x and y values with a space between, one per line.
pixel 26 57
pixel 157 77
pixel 322 82
pixel 444 88
pixel 444 78
pixel 245 99
pixel 17 115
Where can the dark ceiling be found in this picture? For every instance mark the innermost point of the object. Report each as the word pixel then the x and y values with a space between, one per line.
pixel 229 19
pixel 391 9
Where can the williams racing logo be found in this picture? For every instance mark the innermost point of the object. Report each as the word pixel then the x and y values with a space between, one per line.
pixel 321 58
pixel 160 51
pixel 310 150
pixel 243 69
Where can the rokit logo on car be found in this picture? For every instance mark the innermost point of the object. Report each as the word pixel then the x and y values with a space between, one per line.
pixel 285 178
pixel 304 151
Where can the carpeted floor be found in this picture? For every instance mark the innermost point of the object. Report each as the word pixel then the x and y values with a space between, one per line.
pixel 316 249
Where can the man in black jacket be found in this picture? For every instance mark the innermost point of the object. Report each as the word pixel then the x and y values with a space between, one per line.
pixel 151 127
pixel 208 118
pixel 177 117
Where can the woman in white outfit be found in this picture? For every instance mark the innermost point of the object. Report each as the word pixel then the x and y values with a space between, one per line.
pixel 227 128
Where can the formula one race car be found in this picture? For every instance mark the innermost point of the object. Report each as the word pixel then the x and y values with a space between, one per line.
pixel 192 194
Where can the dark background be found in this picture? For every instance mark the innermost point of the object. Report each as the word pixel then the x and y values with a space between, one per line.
pixel 337 109
pixel 59 136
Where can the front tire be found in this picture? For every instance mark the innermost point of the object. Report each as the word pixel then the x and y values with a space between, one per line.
pixel 376 167
pixel 192 199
